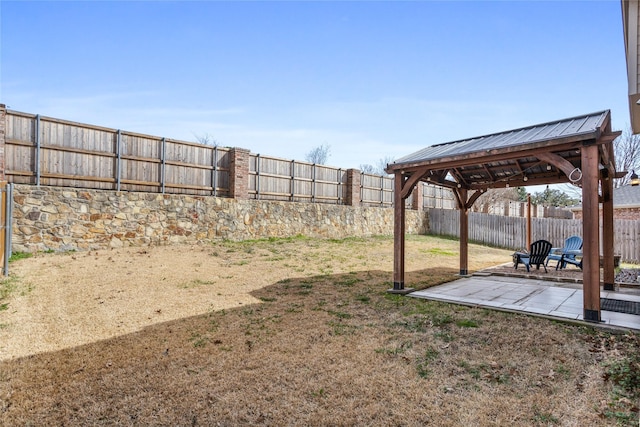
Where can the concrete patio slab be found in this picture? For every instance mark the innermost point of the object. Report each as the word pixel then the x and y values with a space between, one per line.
pixel 532 296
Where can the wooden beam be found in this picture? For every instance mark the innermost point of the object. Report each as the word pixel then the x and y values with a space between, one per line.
pixel 605 139
pixel 459 177
pixel 590 233
pixel 408 184
pixel 460 200
pixel 398 236
pixel 529 234
pixel 608 157
pixel 464 233
pixel 448 184
pixel 491 177
pixel 607 234
pixel 473 198
pixel 518 166
pixel 543 180
pixel 438 175
pixel 564 165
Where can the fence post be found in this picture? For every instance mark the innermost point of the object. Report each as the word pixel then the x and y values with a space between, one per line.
pixel 36 155
pixel 163 163
pixel 214 172
pixel 3 127
pixel 118 158
pixel 352 196
pixel 293 181
pixel 416 197
pixel 7 207
pixel 239 173
pixel 313 183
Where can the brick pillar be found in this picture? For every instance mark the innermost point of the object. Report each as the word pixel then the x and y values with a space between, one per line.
pixel 416 197
pixel 352 196
pixel 239 173
pixel 3 127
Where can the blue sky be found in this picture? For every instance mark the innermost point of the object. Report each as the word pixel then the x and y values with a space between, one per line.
pixel 370 79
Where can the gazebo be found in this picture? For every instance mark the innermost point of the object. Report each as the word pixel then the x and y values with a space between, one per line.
pixel 576 150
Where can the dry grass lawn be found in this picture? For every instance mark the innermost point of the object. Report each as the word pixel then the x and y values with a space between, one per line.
pixel 291 332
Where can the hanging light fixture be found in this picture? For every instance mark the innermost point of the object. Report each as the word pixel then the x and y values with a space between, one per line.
pixel 634 178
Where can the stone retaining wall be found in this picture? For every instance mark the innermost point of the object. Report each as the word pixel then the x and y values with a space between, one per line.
pixel 61 219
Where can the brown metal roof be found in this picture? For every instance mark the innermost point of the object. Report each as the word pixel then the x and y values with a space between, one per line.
pixel 516 157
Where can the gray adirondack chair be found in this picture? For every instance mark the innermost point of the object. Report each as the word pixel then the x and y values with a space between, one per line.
pixel 573 243
pixel 537 255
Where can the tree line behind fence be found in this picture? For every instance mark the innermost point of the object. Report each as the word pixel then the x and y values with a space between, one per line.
pixel 510 232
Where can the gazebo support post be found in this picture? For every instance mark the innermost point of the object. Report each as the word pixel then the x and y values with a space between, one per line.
pixel 398 236
pixel 590 232
pixel 607 234
pixel 464 232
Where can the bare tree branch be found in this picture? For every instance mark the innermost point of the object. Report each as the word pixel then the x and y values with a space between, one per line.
pixel 318 155
pixel 206 139
pixel 379 168
pixel 627 152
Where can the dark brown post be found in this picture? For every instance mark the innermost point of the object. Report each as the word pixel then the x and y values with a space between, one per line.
pixel 529 221
pixel 398 234
pixel 417 197
pixel 3 127
pixel 607 234
pixel 352 198
pixel 464 233
pixel 239 173
pixel 591 233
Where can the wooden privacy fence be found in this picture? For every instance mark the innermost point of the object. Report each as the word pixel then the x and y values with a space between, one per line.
pixel 48 151
pixel 43 150
pixel 271 178
pixel 376 190
pixel 510 232
pixel 437 197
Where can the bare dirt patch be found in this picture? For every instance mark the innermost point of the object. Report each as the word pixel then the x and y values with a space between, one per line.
pixel 289 332
pixel 64 300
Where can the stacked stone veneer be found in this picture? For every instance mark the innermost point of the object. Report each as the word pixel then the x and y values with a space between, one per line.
pixel 55 218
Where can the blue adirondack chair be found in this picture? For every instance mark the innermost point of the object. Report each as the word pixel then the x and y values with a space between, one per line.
pixel 537 254
pixel 573 243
